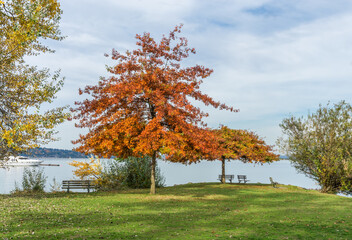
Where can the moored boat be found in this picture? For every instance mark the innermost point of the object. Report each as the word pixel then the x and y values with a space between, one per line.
pixel 21 161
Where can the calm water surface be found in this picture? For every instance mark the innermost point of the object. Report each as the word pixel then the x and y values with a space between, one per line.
pixel 174 173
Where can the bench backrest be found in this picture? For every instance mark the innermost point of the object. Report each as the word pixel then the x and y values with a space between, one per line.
pixel 78 183
pixel 242 177
pixel 227 176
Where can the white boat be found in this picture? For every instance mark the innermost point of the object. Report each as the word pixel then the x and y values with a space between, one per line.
pixel 21 161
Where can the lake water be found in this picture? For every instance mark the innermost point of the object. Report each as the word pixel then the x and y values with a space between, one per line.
pixel 174 173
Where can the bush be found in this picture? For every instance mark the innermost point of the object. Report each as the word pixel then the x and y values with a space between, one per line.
pixel 137 173
pixel 320 146
pixel 33 180
pixel 132 172
pixel 55 186
pixel 111 177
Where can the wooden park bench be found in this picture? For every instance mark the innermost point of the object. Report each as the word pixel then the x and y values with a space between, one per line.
pixel 78 184
pixel 227 177
pixel 242 178
pixel 273 183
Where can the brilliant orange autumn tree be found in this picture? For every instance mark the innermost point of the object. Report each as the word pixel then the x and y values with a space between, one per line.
pixel 242 145
pixel 144 108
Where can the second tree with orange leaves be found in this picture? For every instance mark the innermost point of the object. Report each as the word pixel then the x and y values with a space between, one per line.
pixel 243 145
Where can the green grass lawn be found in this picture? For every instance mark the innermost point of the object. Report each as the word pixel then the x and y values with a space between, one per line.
pixel 192 211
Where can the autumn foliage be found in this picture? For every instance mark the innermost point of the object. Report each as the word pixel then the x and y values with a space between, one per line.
pixel 24 24
pixel 243 145
pixel 144 108
pixel 87 170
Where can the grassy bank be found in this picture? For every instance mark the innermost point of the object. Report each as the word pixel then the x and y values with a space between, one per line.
pixel 192 211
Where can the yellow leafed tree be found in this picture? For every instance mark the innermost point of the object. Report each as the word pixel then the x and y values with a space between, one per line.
pixel 23 88
pixel 87 170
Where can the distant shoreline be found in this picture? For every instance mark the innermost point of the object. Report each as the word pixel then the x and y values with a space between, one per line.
pixel 53 153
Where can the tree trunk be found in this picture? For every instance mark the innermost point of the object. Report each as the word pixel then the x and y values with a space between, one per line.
pixel 152 178
pixel 223 170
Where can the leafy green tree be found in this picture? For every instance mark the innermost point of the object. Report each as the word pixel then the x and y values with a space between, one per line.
pixel 320 146
pixel 23 88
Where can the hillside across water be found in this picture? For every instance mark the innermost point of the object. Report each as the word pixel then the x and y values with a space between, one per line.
pixel 53 153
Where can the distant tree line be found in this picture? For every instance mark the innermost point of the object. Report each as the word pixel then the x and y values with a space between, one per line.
pixel 52 152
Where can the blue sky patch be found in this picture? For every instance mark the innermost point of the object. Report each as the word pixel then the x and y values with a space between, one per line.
pixel 265 10
pixel 222 23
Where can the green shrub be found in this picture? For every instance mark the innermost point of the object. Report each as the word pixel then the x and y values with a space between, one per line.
pixel 33 180
pixel 132 172
pixel 137 173
pixel 56 186
pixel 319 146
pixel 111 177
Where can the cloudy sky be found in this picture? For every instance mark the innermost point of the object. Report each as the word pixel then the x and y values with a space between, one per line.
pixel 271 58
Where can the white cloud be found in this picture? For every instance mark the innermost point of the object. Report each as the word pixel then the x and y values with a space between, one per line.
pixel 271 57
